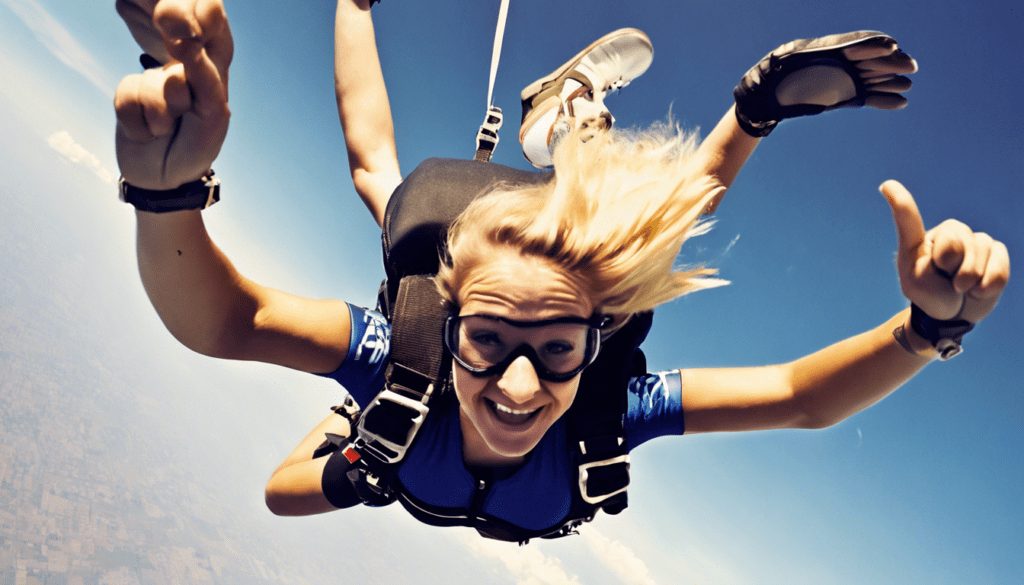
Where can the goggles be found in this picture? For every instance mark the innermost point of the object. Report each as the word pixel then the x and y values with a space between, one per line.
pixel 558 348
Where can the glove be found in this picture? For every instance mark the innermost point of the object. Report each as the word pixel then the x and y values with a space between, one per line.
pixel 810 76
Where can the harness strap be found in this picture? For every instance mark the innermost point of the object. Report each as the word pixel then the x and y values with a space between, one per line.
pixel 487 136
pixel 417 372
pixel 597 418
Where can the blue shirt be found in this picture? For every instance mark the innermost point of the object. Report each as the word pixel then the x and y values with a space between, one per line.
pixel 538 494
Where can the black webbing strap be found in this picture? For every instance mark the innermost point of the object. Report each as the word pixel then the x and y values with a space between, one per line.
pixel 417 328
pixel 597 416
pixel 417 371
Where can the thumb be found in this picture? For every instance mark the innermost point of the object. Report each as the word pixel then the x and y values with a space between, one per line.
pixel 909 225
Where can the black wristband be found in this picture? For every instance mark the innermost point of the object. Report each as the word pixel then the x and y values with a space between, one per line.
pixel 198 194
pixel 752 129
pixel 944 335
pixel 149 62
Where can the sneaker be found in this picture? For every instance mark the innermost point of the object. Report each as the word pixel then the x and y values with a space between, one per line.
pixel 576 90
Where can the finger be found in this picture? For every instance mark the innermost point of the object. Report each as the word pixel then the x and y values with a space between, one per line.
pixel 898 62
pixel 209 85
pixel 131 122
pixel 885 101
pixel 909 225
pixel 203 21
pixel 176 20
pixel 890 84
pixel 952 247
pixel 972 268
pixel 164 96
pixel 138 15
pixel 882 47
pixel 220 46
pixel 997 272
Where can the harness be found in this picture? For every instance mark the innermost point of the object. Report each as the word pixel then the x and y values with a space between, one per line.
pixel 418 375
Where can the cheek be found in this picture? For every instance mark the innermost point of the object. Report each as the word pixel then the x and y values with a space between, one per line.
pixel 466 385
pixel 565 394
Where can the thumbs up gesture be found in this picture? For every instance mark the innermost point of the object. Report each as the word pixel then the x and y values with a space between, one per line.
pixel 949 271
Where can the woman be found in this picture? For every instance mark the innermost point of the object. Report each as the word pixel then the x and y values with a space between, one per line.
pixel 532 275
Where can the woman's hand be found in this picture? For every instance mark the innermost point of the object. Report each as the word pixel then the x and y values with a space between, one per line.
pixel 810 76
pixel 949 271
pixel 172 120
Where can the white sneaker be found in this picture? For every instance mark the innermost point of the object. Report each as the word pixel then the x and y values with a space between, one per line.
pixel 577 89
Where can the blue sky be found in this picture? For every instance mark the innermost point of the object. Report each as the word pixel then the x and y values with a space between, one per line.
pixel 923 488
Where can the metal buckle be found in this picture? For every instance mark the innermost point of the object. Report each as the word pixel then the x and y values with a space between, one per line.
pixel 368 438
pixel 487 136
pixel 948 348
pixel 584 476
pixel 213 184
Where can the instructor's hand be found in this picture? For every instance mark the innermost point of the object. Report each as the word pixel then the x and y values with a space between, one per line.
pixel 172 121
pixel 949 271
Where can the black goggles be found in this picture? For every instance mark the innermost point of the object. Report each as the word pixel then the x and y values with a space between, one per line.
pixel 558 348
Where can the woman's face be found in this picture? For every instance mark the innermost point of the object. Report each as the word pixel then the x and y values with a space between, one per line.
pixel 504 416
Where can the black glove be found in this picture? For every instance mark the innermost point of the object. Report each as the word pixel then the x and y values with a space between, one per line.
pixel 810 76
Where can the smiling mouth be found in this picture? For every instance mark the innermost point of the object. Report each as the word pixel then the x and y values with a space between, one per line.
pixel 509 416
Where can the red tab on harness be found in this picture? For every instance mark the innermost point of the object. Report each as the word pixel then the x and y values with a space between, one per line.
pixel 351 454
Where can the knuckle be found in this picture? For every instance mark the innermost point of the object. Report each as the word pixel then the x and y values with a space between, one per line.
pixel 211 12
pixel 998 282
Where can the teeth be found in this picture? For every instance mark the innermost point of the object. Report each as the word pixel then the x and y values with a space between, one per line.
pixel 510 411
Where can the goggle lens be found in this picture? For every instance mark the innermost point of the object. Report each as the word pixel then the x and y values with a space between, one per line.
pixel 558 348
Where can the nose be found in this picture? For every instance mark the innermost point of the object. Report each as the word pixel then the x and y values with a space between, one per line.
pixel 519 381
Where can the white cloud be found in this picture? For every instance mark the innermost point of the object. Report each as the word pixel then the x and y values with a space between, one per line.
pixel 527 565
pixel 63 143
pixel 619 558
pixel 60 43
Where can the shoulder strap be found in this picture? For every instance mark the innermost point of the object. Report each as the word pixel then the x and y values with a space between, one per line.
pixel 487 136
pixel 417 372
pixel 596 417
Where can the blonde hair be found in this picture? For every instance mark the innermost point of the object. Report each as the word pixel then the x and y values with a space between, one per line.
pixel 615 215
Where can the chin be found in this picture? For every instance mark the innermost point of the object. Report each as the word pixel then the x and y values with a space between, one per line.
pixel 512 448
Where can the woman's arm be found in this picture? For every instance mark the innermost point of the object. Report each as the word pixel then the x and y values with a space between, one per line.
pixel 212 309
pixel 949 272
pixel 296 486
pixel 171 123
pixel 364 108
pixel 804 87
pixel 723 153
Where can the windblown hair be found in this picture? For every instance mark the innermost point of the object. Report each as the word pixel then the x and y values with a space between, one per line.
pixel 615 215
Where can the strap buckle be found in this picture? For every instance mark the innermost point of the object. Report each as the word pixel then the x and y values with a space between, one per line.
pixel 487 137
pixel 609 476
pixel 388 440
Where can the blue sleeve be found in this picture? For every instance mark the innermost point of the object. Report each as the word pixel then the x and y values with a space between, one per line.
pixel 362 371
pixel 655 407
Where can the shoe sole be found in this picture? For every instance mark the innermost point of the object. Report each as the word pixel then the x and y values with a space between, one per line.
pixel 630 35
pixel 611 44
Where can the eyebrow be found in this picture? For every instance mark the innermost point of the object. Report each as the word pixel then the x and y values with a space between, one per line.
pixel 535 323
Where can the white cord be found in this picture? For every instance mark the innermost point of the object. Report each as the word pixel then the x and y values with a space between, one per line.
pixel 499 35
